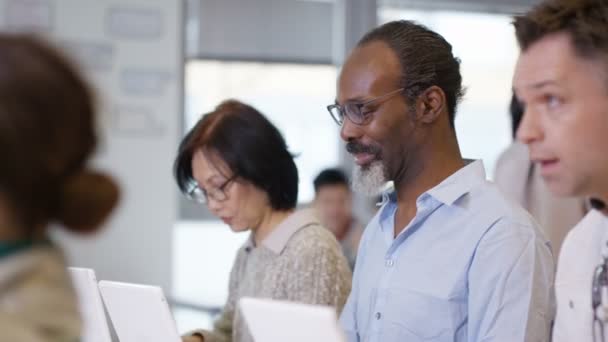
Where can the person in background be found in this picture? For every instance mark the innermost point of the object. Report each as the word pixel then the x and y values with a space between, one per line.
pixel 334 205
pixel 561 79
pixel 236 163
pixel 520 179
pixel 448 257
pixel 47 135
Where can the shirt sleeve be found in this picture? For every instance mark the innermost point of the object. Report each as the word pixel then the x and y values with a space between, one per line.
pixel 511 278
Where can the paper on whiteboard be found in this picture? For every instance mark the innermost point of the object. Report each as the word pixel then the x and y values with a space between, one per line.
pixel 136 122
pixel 144 82
pixel 93 56
pixel 28 15
pixel 134 23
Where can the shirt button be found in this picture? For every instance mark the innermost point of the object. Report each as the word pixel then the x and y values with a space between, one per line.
pixel 378 315
pixel 571 304
pixel 389 262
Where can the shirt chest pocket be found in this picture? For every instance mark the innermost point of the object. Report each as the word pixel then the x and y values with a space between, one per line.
pixel 417 316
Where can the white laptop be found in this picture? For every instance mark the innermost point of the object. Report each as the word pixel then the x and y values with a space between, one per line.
pixel 139 312
pixel 95 323
pixel 278 321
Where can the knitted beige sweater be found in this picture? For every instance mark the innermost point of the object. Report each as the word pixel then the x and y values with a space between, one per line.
pixel 37 301
pixel 300 261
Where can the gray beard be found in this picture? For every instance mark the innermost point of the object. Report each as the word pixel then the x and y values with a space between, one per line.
pixel 371 180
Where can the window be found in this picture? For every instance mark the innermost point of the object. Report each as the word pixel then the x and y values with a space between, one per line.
pixel 486 45
pixel 292 96
pixel 203 253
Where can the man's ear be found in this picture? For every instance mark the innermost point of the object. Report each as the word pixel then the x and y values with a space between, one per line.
pixel 430 105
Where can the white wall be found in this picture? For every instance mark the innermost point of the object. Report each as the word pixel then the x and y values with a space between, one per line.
pixel 132 51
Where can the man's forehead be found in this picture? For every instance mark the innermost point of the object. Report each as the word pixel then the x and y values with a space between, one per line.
pixel 376 57
pixel 368 67
pixel 332 189
pixel 545 61
pixel 530 74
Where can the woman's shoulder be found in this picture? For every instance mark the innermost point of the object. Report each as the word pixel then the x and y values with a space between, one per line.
pixel 315 247
pixel 40 293
pixel 41 268
pixel 313 238
pixel 43 263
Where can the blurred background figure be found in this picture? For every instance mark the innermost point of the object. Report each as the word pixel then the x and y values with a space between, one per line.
pixel 520 179
pixel 334 205
pixel 47 134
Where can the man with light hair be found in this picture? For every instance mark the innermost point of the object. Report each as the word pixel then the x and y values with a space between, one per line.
pixel 561 79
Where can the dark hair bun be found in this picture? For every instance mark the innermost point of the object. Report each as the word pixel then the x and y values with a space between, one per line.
pixel 86 200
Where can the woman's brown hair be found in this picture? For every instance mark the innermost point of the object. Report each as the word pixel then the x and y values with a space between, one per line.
pixel 47 135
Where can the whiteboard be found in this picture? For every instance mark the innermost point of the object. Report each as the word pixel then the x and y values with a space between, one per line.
pixel 131 51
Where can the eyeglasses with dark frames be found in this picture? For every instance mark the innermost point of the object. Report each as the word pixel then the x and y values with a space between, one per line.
pixel 217 194
pixel 354 110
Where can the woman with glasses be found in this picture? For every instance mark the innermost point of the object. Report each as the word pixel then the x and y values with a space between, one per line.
pixel 47 135
pixel 237 163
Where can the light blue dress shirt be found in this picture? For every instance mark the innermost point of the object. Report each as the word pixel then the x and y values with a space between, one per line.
pixel 471 266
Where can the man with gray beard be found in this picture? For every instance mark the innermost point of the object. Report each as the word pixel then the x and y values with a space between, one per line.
pixel 447 257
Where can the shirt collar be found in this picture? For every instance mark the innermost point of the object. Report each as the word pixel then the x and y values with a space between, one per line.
pixel 9 248
pixel 280 236
pixel 14 247
pixel 452 188
pixel 460 183
pixel 447 192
